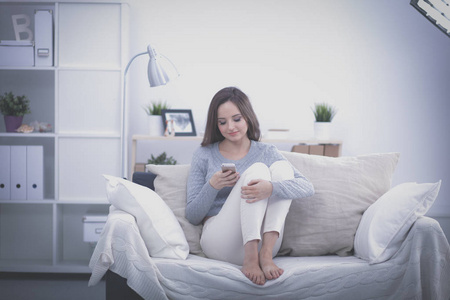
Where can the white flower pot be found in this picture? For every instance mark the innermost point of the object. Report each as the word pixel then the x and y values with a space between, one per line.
pixel 155 125
pixel 322 130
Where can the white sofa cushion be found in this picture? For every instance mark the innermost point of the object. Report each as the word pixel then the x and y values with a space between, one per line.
pixel 345 187
pixel 385 223
pixel 170 184
pixel 157 224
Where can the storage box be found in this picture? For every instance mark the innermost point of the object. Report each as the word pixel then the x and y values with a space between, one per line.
pixel 316 149
pixel 300 149
pixel 17 53
pixel 332 150
pixel 93 227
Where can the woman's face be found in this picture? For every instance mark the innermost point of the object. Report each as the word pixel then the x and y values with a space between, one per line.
pixel 231 123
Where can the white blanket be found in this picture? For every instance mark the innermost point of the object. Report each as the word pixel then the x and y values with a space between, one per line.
pixel 419 270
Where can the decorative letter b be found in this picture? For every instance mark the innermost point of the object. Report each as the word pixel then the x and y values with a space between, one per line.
pixel 23 27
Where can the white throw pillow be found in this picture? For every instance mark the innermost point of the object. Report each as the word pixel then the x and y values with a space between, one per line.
pixel 345 187
pixel 157 224
pixel 170 184
pixel 385 223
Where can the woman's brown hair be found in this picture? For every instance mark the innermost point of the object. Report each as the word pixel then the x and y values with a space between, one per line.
pixel 236 96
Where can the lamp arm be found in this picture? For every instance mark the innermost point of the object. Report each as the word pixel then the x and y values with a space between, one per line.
pixel 178 73
pixel 124 120
pixel 131 60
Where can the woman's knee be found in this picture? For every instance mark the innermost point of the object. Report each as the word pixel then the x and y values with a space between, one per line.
pixel 281 170
pixel 257 171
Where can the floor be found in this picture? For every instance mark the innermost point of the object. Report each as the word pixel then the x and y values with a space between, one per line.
pixel 35 286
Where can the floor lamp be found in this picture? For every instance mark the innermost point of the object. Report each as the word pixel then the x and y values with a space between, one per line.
pixel 436 11
pixel 157 76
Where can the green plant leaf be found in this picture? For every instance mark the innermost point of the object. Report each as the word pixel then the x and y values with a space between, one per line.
pixel 155 108
pixel 11 105
pixel 324 112
pixel 162 159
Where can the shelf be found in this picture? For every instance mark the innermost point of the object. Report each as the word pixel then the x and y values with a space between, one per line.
pixel 12 201
pixel 60 201
pixel 27 135
pixel 140 137
pixel 166 138
pixel 87 68
pixel 17 265
pixel 83 201
pixel 106 135
pixel 45 266
pixel 303 141
pixel 79 266
pixel 12 68
pixel 61 68
pixel 89 135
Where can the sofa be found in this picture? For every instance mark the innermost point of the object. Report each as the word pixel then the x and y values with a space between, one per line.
pixel 357 237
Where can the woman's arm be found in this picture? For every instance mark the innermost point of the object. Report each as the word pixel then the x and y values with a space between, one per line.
pixel 200 194
pixel 298 187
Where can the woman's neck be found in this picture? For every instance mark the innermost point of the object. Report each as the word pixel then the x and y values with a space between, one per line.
pixel 234 150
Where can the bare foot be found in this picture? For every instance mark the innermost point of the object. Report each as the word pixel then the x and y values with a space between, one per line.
pixel 254 273
pixel 269 268
pixel 251 268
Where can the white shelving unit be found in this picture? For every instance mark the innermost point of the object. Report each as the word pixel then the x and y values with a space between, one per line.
pixel 81 97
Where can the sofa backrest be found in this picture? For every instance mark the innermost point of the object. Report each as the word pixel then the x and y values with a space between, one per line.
pixel 145 178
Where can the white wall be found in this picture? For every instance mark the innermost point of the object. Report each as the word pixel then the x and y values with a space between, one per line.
pixel 384 66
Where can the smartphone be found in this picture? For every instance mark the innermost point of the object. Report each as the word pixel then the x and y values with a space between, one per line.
pixel 229 166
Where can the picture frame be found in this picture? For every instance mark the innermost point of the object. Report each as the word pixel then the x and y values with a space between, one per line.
pixel 183 122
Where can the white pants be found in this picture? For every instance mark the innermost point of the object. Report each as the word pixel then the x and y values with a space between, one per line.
pixel 224 235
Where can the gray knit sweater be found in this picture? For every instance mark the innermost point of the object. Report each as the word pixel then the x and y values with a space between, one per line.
pixel 204 200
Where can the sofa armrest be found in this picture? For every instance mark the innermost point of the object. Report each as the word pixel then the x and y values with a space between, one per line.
pixel 144 178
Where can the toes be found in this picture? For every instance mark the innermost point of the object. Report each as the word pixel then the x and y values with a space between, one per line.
pixel 261 280
pixel 257 279
pixel 256 276
pixel 273 273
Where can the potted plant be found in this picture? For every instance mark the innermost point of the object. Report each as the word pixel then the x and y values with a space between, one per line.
pixel 13 109
pixel 162 159
pixel 323 114
pixel 155 123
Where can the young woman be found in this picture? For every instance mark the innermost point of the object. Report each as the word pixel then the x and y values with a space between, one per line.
pixel 243 212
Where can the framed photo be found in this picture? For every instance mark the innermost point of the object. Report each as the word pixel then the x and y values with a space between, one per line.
pixel 183 122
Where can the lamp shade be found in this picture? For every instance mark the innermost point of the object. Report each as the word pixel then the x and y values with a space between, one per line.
pixel 157 74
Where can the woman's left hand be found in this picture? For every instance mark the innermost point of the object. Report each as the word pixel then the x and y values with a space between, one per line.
pixel 256 189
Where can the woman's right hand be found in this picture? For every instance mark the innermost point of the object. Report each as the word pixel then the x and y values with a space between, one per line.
pixel 224 179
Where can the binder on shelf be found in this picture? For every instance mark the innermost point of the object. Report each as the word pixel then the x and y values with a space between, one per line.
pixel 35 172
pixel 5 172
pixel 43 38
pixel 18 172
